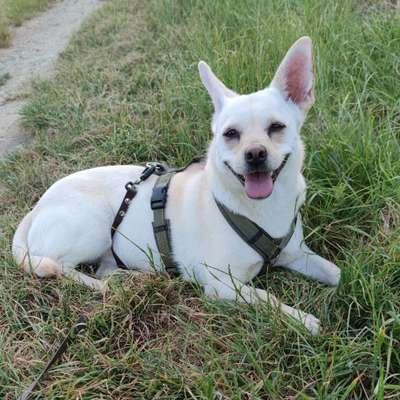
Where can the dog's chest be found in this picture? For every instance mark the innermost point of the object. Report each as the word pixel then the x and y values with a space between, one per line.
pixel 202 237
pixel 214 244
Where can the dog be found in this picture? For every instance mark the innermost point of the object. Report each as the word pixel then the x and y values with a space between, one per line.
pixel 252 134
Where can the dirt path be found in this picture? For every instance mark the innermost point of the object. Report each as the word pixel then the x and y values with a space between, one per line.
pixel 33 53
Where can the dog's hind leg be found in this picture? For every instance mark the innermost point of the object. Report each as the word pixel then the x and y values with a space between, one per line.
pixel 55 242
pixel 315 267
pixel 45 267
pixel 232 289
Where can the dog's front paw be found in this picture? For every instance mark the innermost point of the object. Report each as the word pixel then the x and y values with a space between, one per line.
pixel 333 275
pixel 312 324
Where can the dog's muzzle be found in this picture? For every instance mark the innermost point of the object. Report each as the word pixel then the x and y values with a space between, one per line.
pixel 259 183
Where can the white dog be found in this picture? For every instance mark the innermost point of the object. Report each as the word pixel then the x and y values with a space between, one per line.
pixel 252 135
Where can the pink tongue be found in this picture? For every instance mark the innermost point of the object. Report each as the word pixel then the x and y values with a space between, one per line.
pixel 258 185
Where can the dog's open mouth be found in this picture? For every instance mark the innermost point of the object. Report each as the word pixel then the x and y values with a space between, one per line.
pixel 259 184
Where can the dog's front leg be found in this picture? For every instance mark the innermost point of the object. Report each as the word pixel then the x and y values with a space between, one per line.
pixel 312 265
pixel 232 289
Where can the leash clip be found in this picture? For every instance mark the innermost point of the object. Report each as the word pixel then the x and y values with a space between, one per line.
pixel 147 172
pixel 150 169
pixel 159 168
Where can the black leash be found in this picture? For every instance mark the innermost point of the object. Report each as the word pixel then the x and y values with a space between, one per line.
pixel 79 325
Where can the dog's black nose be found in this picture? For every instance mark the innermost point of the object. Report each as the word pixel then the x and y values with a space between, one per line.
pixel 255 155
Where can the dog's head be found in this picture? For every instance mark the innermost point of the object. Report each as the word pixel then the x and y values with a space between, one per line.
pixel 255 134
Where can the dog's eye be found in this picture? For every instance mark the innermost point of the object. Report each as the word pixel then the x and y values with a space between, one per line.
pixel 232 134
pixel 275 127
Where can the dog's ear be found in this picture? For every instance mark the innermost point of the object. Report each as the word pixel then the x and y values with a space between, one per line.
pixel 216 89
pixel 295 75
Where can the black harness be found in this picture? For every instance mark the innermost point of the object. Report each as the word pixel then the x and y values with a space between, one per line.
pixel 256 237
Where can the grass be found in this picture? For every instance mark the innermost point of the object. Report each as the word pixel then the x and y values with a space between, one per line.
pixel 14 12
pixel 127 91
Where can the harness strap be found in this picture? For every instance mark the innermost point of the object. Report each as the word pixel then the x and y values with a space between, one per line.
pixel 283 243
pixel 150 169
pixel 129 195
pixel 161 225
pixel 158 204
pixel 257 238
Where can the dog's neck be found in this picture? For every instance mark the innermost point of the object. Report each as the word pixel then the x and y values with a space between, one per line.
pixel 274 213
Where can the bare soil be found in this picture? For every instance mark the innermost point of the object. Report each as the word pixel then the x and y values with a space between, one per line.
pixel 33 54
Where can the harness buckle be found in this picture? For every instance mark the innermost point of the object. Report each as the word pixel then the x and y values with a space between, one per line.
pixel 158 198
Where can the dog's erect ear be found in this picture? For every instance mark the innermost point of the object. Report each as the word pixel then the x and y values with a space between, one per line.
pixel 216 89
pixel 295 75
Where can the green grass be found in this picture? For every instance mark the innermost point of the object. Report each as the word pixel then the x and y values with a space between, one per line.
pixel 14 12
pixel 127 91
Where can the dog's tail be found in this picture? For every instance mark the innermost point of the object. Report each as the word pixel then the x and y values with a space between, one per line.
pixel 41 266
